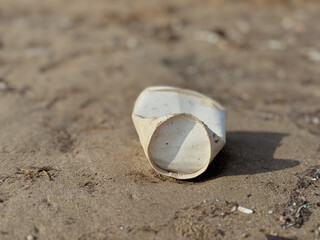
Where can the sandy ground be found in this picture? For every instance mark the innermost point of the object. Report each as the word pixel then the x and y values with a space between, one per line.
pixel 71 163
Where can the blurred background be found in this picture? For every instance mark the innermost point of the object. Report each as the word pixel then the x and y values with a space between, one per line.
pixel 254 54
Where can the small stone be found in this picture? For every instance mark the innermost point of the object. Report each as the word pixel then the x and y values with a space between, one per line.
pixel 234 208
pixel 245 210
pixel 212 38
pixel 3 85
pixel 30 237
pixel 314 55
pixel 207 36
pixel 245 235
pixel 121 227
pixel 318 204
pixel 282 219
pixel 315 120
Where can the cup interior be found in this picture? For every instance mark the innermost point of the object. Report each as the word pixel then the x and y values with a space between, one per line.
pixel 180 144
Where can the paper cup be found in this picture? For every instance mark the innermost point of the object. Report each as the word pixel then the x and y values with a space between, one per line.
pixel 180 130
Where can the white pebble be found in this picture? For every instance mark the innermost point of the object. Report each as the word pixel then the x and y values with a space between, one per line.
pixel 30 237
pixel 207 36
pixel 234 208
pixel 212 38
pixel 245 210
pixel 314 55
pixel 3 86
pixel 315 120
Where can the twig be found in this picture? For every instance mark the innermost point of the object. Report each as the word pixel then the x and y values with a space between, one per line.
pixel 48 175
pixel 299 209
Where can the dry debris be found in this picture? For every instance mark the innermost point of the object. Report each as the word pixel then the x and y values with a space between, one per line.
pixel 35 172
pixel 298 210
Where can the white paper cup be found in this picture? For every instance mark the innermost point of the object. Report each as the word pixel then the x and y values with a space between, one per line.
pixel 181 131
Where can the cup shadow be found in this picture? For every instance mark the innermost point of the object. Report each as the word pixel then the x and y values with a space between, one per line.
pixel 247 153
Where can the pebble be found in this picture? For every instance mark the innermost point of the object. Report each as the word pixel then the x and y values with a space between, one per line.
pixel 234 208
pixel 207 36
pixel 3 85
pixel 245 210
pixel 313 55
pixel 245 235
pixel 315 120
pixel 318 204
pixel 282 219
pixel 30 237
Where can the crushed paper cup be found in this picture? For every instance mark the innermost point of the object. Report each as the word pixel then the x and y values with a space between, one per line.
pixel 180 130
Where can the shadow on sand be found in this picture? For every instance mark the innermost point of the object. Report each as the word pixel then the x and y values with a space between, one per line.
pixel 247 153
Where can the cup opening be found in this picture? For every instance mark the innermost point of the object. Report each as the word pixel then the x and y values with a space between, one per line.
pixel 180 144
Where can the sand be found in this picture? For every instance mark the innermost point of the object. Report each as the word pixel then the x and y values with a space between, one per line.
pixel 71 163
